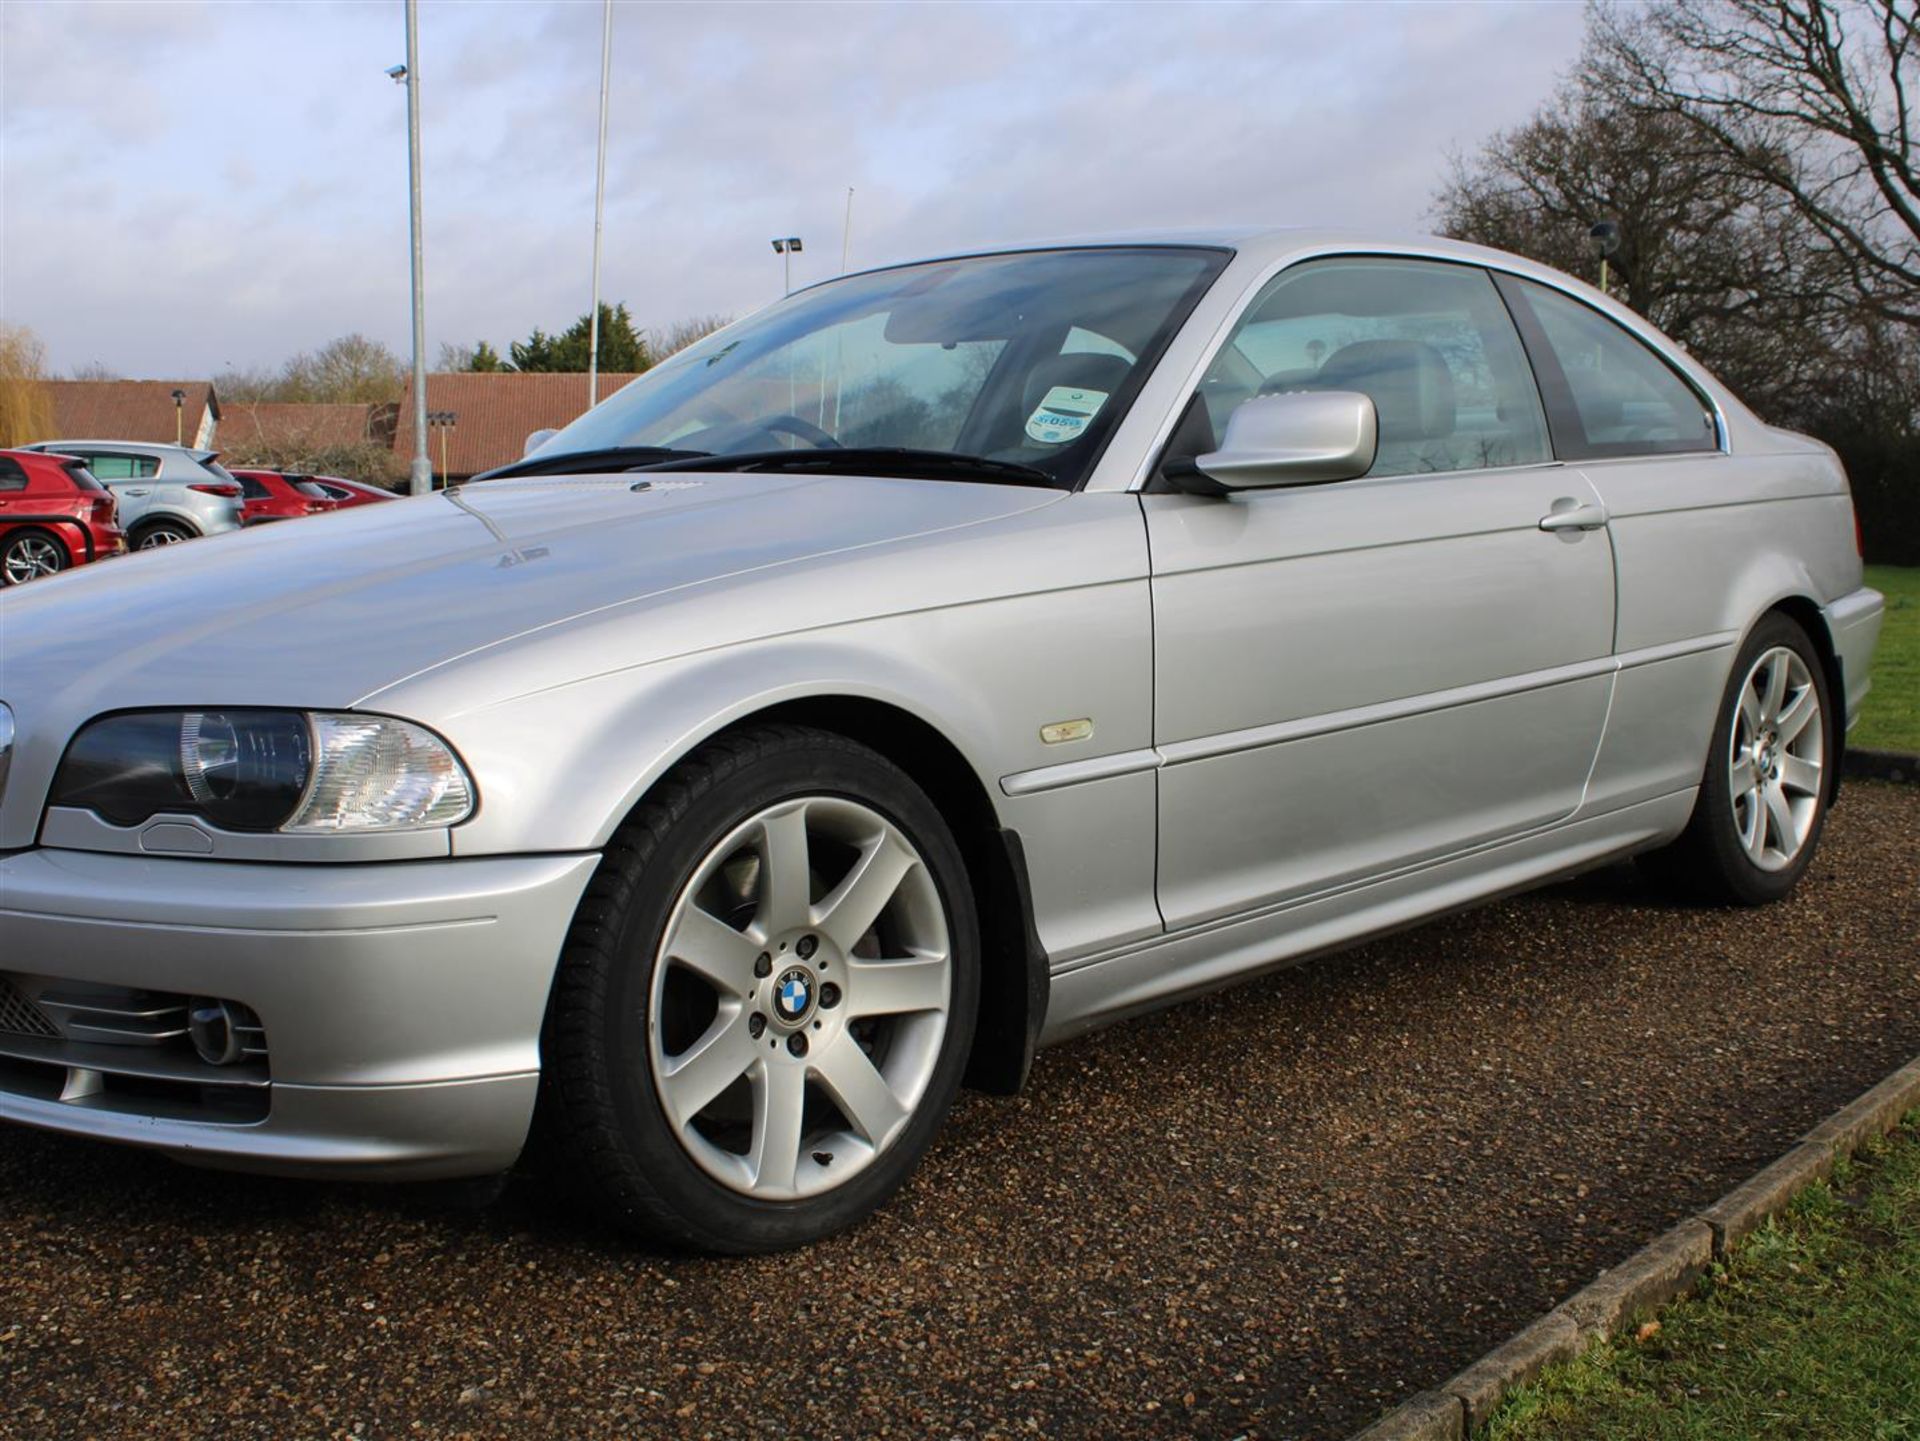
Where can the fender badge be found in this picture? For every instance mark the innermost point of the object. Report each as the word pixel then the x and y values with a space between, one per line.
pixel 1059 732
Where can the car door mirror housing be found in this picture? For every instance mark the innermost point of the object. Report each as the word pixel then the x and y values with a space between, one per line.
pixel 1302 437
pixel 537 439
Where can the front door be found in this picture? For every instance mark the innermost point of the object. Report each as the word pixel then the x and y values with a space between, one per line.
pixel 1356 678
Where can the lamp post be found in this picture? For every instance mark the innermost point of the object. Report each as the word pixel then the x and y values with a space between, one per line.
pixel 420 472
pixel 787 247
pixel 179 417
pixel 443 421
pixel 599 205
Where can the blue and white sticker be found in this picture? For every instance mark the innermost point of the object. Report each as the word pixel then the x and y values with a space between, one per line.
pixel 1063 413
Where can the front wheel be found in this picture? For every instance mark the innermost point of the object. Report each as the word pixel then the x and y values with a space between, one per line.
pixel 1763 799
pixel 767 997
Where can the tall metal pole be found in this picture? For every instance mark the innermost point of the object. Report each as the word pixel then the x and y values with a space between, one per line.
pixel 420 473
pixel 599 204
pixel 786 269
pixel 846 232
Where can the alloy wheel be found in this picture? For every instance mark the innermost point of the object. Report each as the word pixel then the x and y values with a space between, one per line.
pixel 800 998
pixel 31 557
pixel 1776 759
pixel 154 539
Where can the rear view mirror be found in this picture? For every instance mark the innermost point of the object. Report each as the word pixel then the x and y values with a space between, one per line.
pixel 1302 437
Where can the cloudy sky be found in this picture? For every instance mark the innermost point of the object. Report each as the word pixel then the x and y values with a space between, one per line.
pixel 192 186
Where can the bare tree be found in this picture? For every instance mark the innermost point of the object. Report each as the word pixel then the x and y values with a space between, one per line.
pixel 1706 252
pixel 26 407
pixel 352 369
pixel 1811 98
pixel 665 340
pixel 94 370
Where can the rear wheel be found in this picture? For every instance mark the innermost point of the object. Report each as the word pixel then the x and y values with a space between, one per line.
pixel 30 554
pixel 160 532
pixel 766 999
pixel 1763 799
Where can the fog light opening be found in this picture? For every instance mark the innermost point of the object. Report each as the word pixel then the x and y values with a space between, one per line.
pixel 211 1028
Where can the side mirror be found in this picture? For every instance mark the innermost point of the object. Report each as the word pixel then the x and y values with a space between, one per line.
pixel 1301 437
pixel 536 440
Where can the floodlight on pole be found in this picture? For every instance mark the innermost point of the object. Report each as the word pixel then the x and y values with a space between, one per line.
pixel 443 421
pixel 1603 240
pixel 179 417
pixel 786 247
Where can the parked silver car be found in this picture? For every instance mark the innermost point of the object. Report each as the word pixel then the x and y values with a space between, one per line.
pixel 167 493
pixel 941 662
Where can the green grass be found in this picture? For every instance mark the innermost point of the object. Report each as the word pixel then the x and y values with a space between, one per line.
pixel 1811 1331
pixel 1891 719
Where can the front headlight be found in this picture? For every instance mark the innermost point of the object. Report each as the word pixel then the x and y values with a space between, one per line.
pixel 266 770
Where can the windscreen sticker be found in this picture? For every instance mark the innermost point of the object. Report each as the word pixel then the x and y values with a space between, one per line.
pixel 1063 413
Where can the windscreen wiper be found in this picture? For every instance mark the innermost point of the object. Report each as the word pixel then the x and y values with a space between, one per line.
pixel 888 460
pixel 590 462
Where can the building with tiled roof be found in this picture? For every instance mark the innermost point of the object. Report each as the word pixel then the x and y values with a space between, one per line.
pixel 135 410
pixel 494 413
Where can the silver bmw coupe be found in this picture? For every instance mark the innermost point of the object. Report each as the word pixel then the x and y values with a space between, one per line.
pixel 941 662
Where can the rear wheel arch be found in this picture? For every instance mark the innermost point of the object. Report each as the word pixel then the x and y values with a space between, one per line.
pixel 167 520
pixel 52 533
pixel 1805 612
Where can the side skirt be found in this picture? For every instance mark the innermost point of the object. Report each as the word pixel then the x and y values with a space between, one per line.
pixel 1101 990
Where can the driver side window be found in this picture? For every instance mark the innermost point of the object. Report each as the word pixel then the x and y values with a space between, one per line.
pixel 1431 343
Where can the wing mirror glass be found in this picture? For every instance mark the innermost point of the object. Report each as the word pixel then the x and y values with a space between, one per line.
pixel 1302 437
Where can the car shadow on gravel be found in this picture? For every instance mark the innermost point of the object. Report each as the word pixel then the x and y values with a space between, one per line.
pixel 1272 1211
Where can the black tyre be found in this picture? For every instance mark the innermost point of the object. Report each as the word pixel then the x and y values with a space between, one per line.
pixel 157 533
pixel 1763 798
pixel 30 554
pixel 767 997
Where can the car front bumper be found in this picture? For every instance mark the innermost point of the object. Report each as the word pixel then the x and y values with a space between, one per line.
pixel 401 1005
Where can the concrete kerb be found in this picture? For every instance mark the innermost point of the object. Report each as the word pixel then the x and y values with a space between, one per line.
pixel 1659 1272
pixel 1870 765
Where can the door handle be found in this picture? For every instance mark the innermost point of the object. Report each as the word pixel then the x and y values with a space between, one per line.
pixel 1568 515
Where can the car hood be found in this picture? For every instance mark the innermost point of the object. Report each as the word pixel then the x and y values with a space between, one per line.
pixel 326 611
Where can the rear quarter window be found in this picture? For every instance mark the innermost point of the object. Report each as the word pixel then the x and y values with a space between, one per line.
pixel 1607 392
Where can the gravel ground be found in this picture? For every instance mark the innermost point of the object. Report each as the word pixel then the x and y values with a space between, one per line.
pixel 1270 1213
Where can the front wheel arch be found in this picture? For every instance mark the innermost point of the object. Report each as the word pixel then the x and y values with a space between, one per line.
pixel 1014 978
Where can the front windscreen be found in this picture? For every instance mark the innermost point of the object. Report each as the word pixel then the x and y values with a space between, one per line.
pixel 1029 357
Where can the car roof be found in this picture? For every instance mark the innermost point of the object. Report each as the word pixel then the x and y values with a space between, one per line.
pixel 145 447
pixel 1264 245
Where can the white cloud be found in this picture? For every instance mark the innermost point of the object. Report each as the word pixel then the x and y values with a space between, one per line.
pixel 186 186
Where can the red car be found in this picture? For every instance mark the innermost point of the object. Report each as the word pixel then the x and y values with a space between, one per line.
pixel 276 495
pixel 53 514
pixel 351 492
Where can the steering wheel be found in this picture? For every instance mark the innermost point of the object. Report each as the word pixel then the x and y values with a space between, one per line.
pixel 804 429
